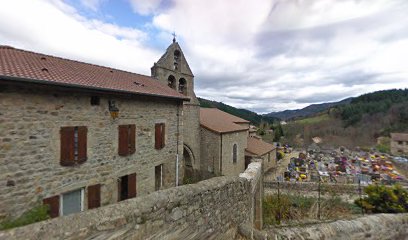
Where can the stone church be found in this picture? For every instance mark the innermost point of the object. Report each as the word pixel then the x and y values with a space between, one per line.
pixel 78 136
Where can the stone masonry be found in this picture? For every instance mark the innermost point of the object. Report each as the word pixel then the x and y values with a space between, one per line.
pixel 210 209
pixel 30 121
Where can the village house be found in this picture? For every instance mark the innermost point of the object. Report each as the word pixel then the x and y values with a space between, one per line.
pixel 77 136
pixel 399 143
pixel 261 150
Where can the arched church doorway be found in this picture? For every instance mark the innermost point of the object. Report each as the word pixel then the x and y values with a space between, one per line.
pixel 188 164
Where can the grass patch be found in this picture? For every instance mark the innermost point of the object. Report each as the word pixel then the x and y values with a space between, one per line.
pixel 36 214
pixel 296 208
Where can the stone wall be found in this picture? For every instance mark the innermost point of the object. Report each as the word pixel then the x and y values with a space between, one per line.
pixel 374 227
pixel 228 140
pixel 30 122
pixel 210 209
pixel 210 152
pixel 269 160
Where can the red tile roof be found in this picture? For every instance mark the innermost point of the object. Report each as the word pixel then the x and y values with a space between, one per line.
pixel 258 147
pixel 21 65
pixel 399 136
pixel 221 122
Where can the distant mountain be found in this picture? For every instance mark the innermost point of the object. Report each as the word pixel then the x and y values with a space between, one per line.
pixel 242 113
pixel 307 111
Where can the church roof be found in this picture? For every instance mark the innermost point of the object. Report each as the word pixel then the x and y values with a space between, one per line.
pixel 25 66
pixel 258 147
pixel 399 136
pixel 220 122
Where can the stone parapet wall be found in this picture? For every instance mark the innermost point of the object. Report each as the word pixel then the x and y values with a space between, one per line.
pixel 214 207
pixel 211 209
pixel 374 227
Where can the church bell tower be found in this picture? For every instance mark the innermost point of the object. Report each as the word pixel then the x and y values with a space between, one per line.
pixel 172 69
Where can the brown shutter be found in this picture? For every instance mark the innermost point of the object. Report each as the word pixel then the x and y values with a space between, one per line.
pixel 94 196
pixel 53 203
pixel 163 134
pixel 132 139
pixel 82 144
pixel 123 148
pixel 132 185
pixel 157 136
pixel 67 146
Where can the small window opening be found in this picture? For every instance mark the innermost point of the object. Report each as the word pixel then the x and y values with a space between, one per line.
pixel 234 153
pixel 182 86
pixel 171 82
pixel 95 100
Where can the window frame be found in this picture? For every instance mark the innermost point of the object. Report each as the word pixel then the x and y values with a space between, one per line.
pixel 61 201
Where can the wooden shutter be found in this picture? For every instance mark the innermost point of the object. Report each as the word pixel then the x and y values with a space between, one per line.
pixel 163 134
pixel 132 139
pixel 123 148
pixel 94 196
pixel 82 144
pixel 53 203
pixel 157 136
pixel 132 185
pixel 67 146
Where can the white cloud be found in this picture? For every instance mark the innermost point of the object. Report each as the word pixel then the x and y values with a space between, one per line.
pixel 268 56
pixel 145 7
pixel 56 28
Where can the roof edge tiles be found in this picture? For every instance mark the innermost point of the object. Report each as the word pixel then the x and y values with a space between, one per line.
pixel 26 66
pixel 223 132
pixel 218 121
pixel 399 136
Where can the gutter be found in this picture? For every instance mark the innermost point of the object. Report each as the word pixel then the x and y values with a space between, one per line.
pixel 46 82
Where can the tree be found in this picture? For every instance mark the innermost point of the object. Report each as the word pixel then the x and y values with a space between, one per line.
pixel 382 199
pixel 278 133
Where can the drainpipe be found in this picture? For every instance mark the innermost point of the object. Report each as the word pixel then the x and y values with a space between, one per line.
pixel 177 151
pixel 221 155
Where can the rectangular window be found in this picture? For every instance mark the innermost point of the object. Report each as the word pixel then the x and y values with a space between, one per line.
pixel 73 145
pixel 159 134
pixel 269 157
pixel 95 100
pixel 127 187
pixel 72 202
pixel 127 140
pixel 400 142
pixel 158 174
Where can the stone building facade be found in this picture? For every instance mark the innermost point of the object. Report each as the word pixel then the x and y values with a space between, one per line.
pixel 223 139
pixel 172 70
pixel 41 101
pixel 399 143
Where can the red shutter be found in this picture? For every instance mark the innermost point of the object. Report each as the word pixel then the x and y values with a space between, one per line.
pixel 163 134
pixel 123 148
pixel 53 203
pixel 94 196
pixel 67 146
pixel 132 139
pixel 82 144
pixel 132 185
pixel 157 136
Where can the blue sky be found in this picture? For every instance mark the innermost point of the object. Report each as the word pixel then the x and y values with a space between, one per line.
pixel 263 55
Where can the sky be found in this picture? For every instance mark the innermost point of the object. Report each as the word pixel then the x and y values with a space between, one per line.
pixel 262 55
